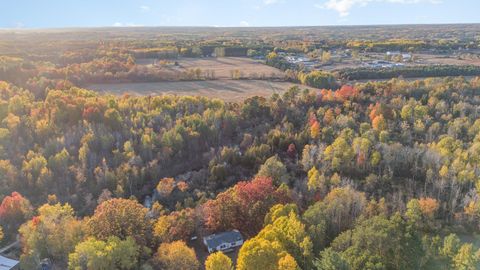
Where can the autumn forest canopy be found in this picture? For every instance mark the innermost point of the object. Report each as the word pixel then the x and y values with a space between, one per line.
pixel 338 175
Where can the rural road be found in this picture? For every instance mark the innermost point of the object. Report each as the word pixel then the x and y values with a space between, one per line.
pixel 8 247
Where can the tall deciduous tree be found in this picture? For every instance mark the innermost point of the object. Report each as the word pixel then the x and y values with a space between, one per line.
pixel 467 258
pixel 335 214
pixel 274 169
pixel 218 261
pixel 287 262
pixel 52 234
pixel 14 210
pixel 122 218
pixel 331 260
pixel 93 254
pixel 286 236
pixel 380 243
pixel 176 256
pixel 244 206
pixel 178 225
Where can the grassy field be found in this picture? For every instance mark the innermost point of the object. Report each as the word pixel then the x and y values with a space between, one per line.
pixel 473 59
pixel 228 90
pixel 223 66
pixel 224 87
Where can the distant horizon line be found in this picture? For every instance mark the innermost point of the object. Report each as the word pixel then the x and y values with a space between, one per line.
pixel 220 27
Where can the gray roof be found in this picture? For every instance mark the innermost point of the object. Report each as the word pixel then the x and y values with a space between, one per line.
pixel 6 263
pixel 216 240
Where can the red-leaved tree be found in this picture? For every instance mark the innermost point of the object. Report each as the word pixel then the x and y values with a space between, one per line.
pixel 244 206
pixel 14 210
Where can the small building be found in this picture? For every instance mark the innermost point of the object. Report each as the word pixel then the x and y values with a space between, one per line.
pixel 395 53
pixel 223 241
pixel 406 57
pixel 8 264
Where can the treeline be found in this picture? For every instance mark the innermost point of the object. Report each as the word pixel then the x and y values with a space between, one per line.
pixel 114 66
pixel 274 60
pixel 318 79
pixel 390 45
pixel 408 72
pixel 196 51
pixel 160 53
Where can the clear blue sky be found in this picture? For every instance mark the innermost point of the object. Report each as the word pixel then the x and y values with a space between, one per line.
pixel 87 13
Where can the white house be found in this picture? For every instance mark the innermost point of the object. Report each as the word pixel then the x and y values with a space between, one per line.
pixel 8 264
pixel 223 241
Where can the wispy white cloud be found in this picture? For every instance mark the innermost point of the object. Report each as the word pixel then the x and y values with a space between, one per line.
pixel 244 24
pixel 264 3
pixel 270 2
pixel 343 7
pixel 145 8
pixel 119 24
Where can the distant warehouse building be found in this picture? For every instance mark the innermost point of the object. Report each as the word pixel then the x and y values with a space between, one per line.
pixel 8 264
pixel 223 241
pixel 404 56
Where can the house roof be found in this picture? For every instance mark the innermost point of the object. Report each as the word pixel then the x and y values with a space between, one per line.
pixel 215 240
pixel 6 263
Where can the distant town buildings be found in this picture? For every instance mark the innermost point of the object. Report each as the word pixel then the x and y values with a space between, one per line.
pixel 405 57
pixel 393 59
pixel 301 60
pixel 382 64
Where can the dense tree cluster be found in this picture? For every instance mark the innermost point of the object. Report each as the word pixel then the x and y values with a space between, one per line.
pixel 363 73
pixel 380 175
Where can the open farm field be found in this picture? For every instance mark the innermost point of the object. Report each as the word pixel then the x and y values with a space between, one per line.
pixel 223 67
pixel 228 90
pixel 462 59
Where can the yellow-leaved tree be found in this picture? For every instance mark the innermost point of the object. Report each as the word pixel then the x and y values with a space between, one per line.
pixel 218 261
pixel 282 242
